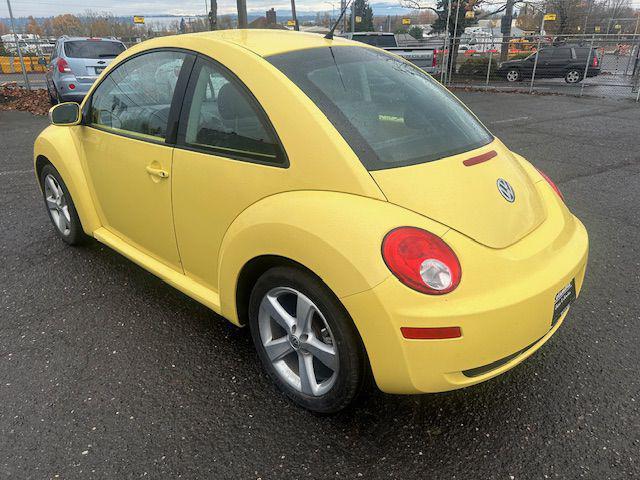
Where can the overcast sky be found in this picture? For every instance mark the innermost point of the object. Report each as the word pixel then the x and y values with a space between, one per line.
pixel 43 8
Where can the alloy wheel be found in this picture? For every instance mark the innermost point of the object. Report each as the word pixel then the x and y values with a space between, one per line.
pixel 573 76
pixel 513 75
pixel 57 204
pixel 298 341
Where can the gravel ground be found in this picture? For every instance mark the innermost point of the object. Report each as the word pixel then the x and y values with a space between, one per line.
pixel 106 372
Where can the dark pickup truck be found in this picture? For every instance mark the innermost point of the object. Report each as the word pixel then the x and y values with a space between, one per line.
pixel 562 61
pixel 423 57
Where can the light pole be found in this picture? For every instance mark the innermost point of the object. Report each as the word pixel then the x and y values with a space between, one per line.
pixel 15 37
pixel 242 13
pixel 333 10
pixel 296 27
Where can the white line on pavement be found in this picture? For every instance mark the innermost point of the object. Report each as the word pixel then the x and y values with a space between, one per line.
pixel 506 120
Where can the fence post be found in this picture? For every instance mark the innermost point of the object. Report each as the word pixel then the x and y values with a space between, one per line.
pixel 586 67
pixel 15 38
pixel 535 64
pixel 453 49
pixel 445 63
pixel 486 83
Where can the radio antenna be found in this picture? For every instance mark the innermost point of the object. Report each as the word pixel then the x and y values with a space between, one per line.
pixel 329 36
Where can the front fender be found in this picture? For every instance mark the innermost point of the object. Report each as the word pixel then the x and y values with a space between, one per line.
pixel 62 148
pixel 338 236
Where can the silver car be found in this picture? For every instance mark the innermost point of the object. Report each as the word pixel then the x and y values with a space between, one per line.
pixel 75 64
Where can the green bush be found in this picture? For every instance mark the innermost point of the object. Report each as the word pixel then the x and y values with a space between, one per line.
pixel 477 66
pixel 518 56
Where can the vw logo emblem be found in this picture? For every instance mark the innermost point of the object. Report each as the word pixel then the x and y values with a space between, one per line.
pixel 506 190
pixel 295 342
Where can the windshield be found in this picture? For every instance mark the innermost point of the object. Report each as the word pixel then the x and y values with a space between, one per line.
pixel 93 49
pixel 376 40
pixel 391 113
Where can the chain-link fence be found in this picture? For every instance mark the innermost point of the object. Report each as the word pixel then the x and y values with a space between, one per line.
pixel 584 65
pixel 590 65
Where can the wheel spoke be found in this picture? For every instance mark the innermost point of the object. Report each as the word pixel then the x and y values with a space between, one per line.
pixel 278 349
pixel 51 203
pixel 61 221
pixel 304 312
pixel 53 187
pixel 278 313
pixel 323 352
pixel 308 382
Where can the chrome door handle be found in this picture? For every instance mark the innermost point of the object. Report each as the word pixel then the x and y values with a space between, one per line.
pixel 157 172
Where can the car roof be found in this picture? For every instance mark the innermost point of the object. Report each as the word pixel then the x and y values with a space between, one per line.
pixel 260 42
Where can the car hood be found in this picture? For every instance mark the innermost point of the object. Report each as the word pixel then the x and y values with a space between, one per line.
pixel 465 195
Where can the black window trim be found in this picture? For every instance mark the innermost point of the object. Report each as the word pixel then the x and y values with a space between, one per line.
pixel 174 124
pixel 282 159
pixel 176 101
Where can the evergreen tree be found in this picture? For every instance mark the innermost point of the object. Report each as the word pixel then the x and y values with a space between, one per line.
pixel 442 10
pixel 363 9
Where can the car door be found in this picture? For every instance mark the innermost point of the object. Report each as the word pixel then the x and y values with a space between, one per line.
pixel 543 69
pixel 559 61
pixel 131 122
pixel 227 157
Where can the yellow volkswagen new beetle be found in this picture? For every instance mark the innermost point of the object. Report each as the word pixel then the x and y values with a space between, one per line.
pixel 331 196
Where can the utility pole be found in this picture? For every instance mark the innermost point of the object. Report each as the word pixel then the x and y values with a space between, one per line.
pixel 505 29
pixel 213 15
pixel 353 17
pixel 343 4
pixel 242 13
pixel 15 38
pixel 294 17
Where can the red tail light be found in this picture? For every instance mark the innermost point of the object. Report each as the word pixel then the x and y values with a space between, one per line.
pixel 421 260
pixel 550 182
pixel 434 60
pixel 63 66
pixel 595 61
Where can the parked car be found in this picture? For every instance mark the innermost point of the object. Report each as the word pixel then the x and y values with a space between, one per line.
pixel 423 57
pixel 564 61
pixel 76 62
pixel 340 203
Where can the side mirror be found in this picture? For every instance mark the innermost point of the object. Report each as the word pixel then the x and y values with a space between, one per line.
pixel 65 114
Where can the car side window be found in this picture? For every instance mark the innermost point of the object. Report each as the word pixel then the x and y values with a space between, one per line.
pixel 562 54
pixel 223 118
pixel 136 96
pixel 544 54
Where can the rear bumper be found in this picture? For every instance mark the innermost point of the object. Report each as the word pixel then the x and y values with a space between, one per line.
pixel 501 325
pixel 76 94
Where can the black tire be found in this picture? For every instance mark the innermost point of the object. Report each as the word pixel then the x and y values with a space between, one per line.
pixel 53 99
pixel 353 366
pixel 513 75
pixel 74 235
pixel 573 76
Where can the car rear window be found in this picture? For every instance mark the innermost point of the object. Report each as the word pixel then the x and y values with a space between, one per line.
pixel 376 40
pixel 583 52
pixel 391 113
pixel 93 49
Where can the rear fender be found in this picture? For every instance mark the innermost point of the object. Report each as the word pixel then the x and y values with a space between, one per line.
pixel 337 236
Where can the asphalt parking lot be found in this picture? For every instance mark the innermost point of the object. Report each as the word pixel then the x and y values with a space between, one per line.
pixel 106 372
